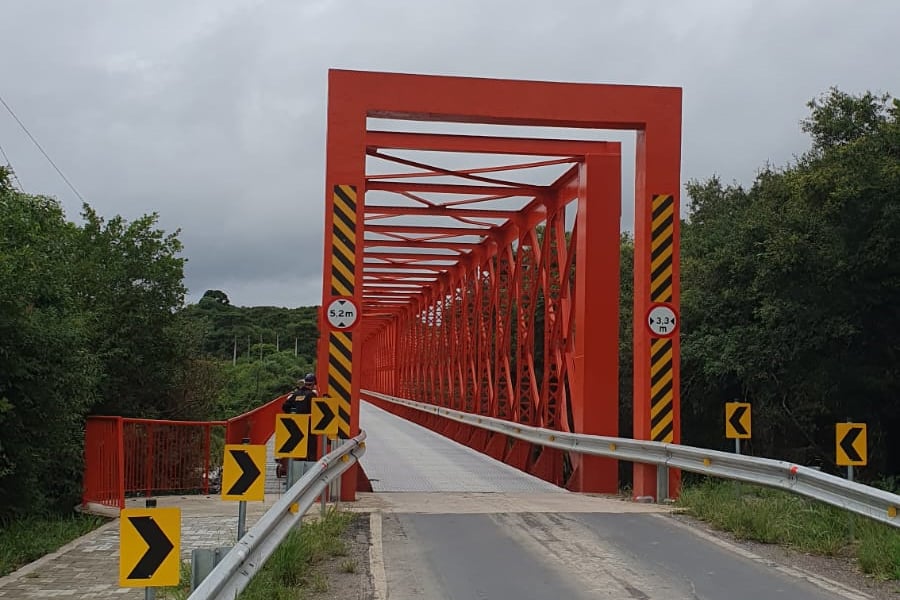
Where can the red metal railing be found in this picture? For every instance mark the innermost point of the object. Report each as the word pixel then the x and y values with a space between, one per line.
pixel 258 424
pixel 125 457
pixel 141 456
pixel 104 462
pixel 165 457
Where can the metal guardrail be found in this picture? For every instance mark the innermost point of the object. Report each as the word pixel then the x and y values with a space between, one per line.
pixel 855 497
pixel 250 553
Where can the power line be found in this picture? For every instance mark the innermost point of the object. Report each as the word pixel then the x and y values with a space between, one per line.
pixel 11 170
pixel 47 156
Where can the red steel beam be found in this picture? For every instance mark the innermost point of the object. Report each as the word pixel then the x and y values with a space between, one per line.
pixel 429 244
pixel 484 144
pixel 439 211
pixel 427 230
pixel 451 188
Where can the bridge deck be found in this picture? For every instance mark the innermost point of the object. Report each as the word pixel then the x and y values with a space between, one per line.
pixel 404 457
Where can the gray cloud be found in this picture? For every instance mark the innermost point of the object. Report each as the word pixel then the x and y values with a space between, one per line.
pixel 212 113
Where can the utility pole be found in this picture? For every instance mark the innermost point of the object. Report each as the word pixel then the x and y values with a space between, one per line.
pixel 260 347
pixel 234 357
pixel 295 346
pixel 277 343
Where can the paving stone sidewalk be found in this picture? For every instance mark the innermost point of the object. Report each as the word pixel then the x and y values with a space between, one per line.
pixel 89 566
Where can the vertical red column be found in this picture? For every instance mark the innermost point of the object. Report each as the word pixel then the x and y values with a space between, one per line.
pixel 657 380
pixel 595 394
pixel 344 190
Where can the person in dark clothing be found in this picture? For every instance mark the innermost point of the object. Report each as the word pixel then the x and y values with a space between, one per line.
pixel 299 402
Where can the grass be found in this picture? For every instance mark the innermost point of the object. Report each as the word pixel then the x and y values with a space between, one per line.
pixel 290 572
pixel 180 591
pixel 776 517
pixel 28 539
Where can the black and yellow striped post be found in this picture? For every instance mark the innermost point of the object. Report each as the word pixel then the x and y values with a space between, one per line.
pixel 661 247
pixel 343 241
pixel 340 377
pixel 661 351
pixel 343 288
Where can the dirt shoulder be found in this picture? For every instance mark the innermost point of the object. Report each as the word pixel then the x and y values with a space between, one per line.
pixel 349 576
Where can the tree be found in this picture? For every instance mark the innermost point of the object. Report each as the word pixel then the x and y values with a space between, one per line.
pixel 216 297
pixel 131 285
pixel 791 289
pixel 47 374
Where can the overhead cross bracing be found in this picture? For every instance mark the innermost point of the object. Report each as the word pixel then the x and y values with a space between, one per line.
pixel 443 226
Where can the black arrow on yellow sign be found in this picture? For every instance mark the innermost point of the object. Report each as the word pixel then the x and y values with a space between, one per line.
pixel 295 436
pixel 249 473
pixel 847 444
pixel 735 420
pixel 158 547
pixel 851 447
pixel 324 416
pixel 327 416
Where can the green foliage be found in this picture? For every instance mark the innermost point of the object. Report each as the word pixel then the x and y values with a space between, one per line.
pixel 253 382
pixel 776 517
pixel 49 378
pixel 626 337
pixel 790 291
pixel 259 351
pixel 89 323
pixel 227 327
pixel 131 285
pixel 28 539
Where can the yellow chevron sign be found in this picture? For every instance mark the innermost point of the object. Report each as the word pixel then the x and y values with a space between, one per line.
pixel 324 419
pixel 149 547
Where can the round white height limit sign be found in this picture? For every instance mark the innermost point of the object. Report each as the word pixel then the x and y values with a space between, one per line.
pixel 342 313
pixel 662 320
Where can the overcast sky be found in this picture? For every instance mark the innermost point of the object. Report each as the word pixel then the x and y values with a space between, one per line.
pixel 212 112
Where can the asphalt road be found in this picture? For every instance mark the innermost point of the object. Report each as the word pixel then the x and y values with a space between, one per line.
pixel 458 525
pixel 524 556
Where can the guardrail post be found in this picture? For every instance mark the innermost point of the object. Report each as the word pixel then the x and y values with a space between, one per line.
pixel 662 483
pixel 203 561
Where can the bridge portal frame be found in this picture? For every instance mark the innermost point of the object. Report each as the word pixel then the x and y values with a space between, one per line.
pixel 654 113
